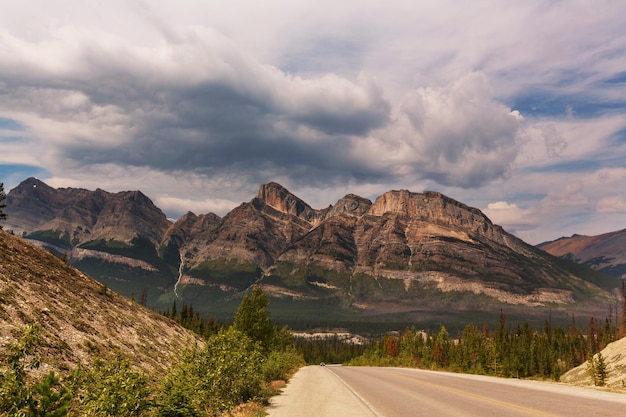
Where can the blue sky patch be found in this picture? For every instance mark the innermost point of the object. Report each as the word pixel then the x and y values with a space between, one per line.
pixel 10 124
pixel 12 174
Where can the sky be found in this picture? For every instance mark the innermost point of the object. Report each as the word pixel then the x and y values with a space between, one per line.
pixel 516 108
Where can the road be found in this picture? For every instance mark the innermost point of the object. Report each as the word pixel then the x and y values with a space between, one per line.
pixel 332 391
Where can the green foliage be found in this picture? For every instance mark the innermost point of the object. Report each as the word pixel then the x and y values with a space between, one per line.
pixel 328 349
pixel 252 318
pixel 21 395
pixel 110 388
pixel 235 274
pixel 49 398
pixel 54 237
pixel 230 368
pixel 597 369
pixel 194 322
pixel 279 365
pixel 223 374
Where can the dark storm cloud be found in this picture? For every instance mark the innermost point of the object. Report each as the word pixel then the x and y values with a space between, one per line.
pixel 215 125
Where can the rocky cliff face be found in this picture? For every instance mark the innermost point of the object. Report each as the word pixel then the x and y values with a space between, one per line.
pixel 399 248
pixel 404 252
pixel 81 215
pixel 114 237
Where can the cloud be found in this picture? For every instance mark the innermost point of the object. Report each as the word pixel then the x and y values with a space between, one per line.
pixel 197 103
pixel 571 196
pixel 457 135
pixel 510 215
pixel 614 204
pixel 200 105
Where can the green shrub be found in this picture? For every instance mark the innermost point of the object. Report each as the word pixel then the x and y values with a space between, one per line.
pixel 223 374
pixel 110 389
pixel 21 395
pixel 279 365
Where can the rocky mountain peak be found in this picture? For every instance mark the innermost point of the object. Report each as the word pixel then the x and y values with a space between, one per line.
pixel 279 198
pixel 78 215
pixel 350 204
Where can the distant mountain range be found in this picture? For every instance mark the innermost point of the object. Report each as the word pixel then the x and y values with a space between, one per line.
pixel 605 253
pixel 405 258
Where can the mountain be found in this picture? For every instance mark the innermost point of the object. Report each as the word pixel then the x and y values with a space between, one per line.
pixel 79 318
pixel 605 253
pixel 405 258
pixel 113 237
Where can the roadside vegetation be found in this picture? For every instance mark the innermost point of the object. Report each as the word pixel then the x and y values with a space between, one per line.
pixel 236 364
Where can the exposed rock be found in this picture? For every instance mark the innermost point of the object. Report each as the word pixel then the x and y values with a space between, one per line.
pixel 79 216
pixel 403 250
pixel 614 355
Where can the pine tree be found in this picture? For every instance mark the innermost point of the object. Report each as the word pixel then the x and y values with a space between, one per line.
pixel 49 398
pixel 252 318
pixel 597 369
pixel 622 327
pixel 3 205
pixel 601 370
pixel 174 315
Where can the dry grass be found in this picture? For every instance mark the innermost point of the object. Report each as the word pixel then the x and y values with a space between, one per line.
pixel 251 409
pixel 276 386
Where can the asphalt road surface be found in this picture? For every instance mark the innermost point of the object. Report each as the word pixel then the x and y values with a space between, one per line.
pixel 338 391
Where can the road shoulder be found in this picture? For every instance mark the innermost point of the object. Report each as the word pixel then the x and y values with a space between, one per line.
pixel 315 391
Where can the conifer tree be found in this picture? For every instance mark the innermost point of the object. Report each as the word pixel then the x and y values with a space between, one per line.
pixel 22 396
pixel 252 318
pixel 622 327
pixel 3 205
pixel 49 399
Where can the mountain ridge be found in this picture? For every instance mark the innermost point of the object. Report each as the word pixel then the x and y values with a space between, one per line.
pixel 406 252
pixel 605 252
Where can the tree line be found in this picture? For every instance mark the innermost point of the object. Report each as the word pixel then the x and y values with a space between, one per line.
pixel 518 352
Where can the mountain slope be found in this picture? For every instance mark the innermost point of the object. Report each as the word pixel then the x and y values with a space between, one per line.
pixel 605 253
pixel 406 255
pixel 79 317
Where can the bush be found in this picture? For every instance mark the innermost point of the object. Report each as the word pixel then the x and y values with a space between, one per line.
pixel 21 395
pixel 279 365
pixel 223 374
pixel 110 389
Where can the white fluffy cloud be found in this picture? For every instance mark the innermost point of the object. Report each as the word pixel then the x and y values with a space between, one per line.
pixel 614 204
pixel 515 219
pixel 464 136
